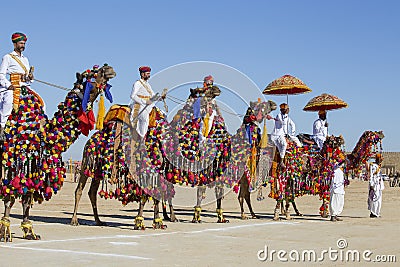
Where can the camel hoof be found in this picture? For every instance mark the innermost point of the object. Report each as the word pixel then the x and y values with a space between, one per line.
pixel 159 226
pixel 174 219
pixel 223 221
pixel 74 223
pixel 244 217
pixel 139 228
pixel 100 223
pixel 253 216
pixel 196 221
pixel 299 214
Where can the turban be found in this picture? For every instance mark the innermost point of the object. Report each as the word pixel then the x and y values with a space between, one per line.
pixel 283 106
pixel 208 78
pixel 144 69
pixel 321 112
pixel 17 37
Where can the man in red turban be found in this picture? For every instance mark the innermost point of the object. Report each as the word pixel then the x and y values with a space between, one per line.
pixel 14 64
pixel 142 104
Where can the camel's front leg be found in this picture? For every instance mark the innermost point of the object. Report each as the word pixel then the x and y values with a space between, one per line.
pixel 5 230
pixel 298 213
pixel 139 220
pixel 94 186
pixel 26 224
pixel 219 194
pixel 78 194
pixel 157 222
pixel 201 191
pixel 277 208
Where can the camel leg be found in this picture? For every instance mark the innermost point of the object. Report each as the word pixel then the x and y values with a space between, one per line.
pixel 287 210
pixel 78 194
pixel 171 211
pixel 26 224
pixel 139 224
pixel 165 213
pixel 219 193
pixel 157 221
pixel 276 212
pixel 5 230
pixel 241 197
pixel 94 186
pixel 298 213
pixel 201 190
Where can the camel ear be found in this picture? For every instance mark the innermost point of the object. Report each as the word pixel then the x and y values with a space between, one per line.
pixel 252 104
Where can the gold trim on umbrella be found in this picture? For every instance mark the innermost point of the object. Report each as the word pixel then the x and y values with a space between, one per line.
pixel 286 85
pixel 325 102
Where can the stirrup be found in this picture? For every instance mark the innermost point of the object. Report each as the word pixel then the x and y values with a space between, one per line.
pixel 5 223
pixel 139 224
pixel 27 228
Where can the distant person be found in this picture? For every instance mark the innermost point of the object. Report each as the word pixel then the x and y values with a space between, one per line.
pixel 376 185
pixel 320 129
pixel 337 192
pixel 284 128
pixel 13 66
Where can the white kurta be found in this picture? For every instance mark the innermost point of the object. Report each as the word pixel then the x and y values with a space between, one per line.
pixel 284 126
pixel 320 131
pixel 376 185
pixel 336 203
pixel 8 66
pixel 141 92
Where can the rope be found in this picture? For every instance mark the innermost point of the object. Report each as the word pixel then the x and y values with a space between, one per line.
pixel 53 85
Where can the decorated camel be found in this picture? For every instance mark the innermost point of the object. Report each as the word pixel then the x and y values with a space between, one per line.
pixel 309 171
pixel 105 161
pixel 32 167
pixel 198 146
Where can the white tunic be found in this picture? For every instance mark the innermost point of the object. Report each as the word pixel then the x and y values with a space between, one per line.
pixel 336 203
pixel 141 92
pixel 283 126
pixel 320 131
pixel 376 185
pixel 8 66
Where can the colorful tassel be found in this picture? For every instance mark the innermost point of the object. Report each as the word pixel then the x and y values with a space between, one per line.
pixel 101 114
pixel 264 137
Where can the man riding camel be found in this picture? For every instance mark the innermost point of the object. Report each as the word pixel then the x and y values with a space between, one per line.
pixel 320 129
pixel 284 128
pixel 142 104
pixel 15 73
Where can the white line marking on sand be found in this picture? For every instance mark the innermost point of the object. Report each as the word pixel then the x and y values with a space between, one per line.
pixel 124 243
pixel 79 252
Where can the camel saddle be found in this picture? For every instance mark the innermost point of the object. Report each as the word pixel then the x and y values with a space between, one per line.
pixel 118 113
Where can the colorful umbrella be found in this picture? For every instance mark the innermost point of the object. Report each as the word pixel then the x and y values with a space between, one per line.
pixel 286 85
pixel 325 102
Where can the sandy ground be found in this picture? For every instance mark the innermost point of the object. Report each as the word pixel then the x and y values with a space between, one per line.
pixel 237 243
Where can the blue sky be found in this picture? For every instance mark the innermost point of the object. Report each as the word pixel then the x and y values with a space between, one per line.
pixel 345 48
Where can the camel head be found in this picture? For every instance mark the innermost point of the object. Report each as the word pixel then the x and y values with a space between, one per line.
pixel 262 109
pixel 98 78
pixel 210 92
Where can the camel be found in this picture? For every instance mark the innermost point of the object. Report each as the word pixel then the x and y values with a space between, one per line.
pixel 32 167
pixel 252 157
pixel 310 172
pixel 198 145
pixel 104 160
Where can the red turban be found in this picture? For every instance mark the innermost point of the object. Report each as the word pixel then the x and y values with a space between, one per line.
pixel 208 78
pixel 144 69
pixel 17 37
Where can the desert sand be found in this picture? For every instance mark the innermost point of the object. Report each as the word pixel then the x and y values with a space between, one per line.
pixel 238 243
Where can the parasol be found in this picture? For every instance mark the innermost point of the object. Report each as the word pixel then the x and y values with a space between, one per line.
pixel 286 85
pixel 325 102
